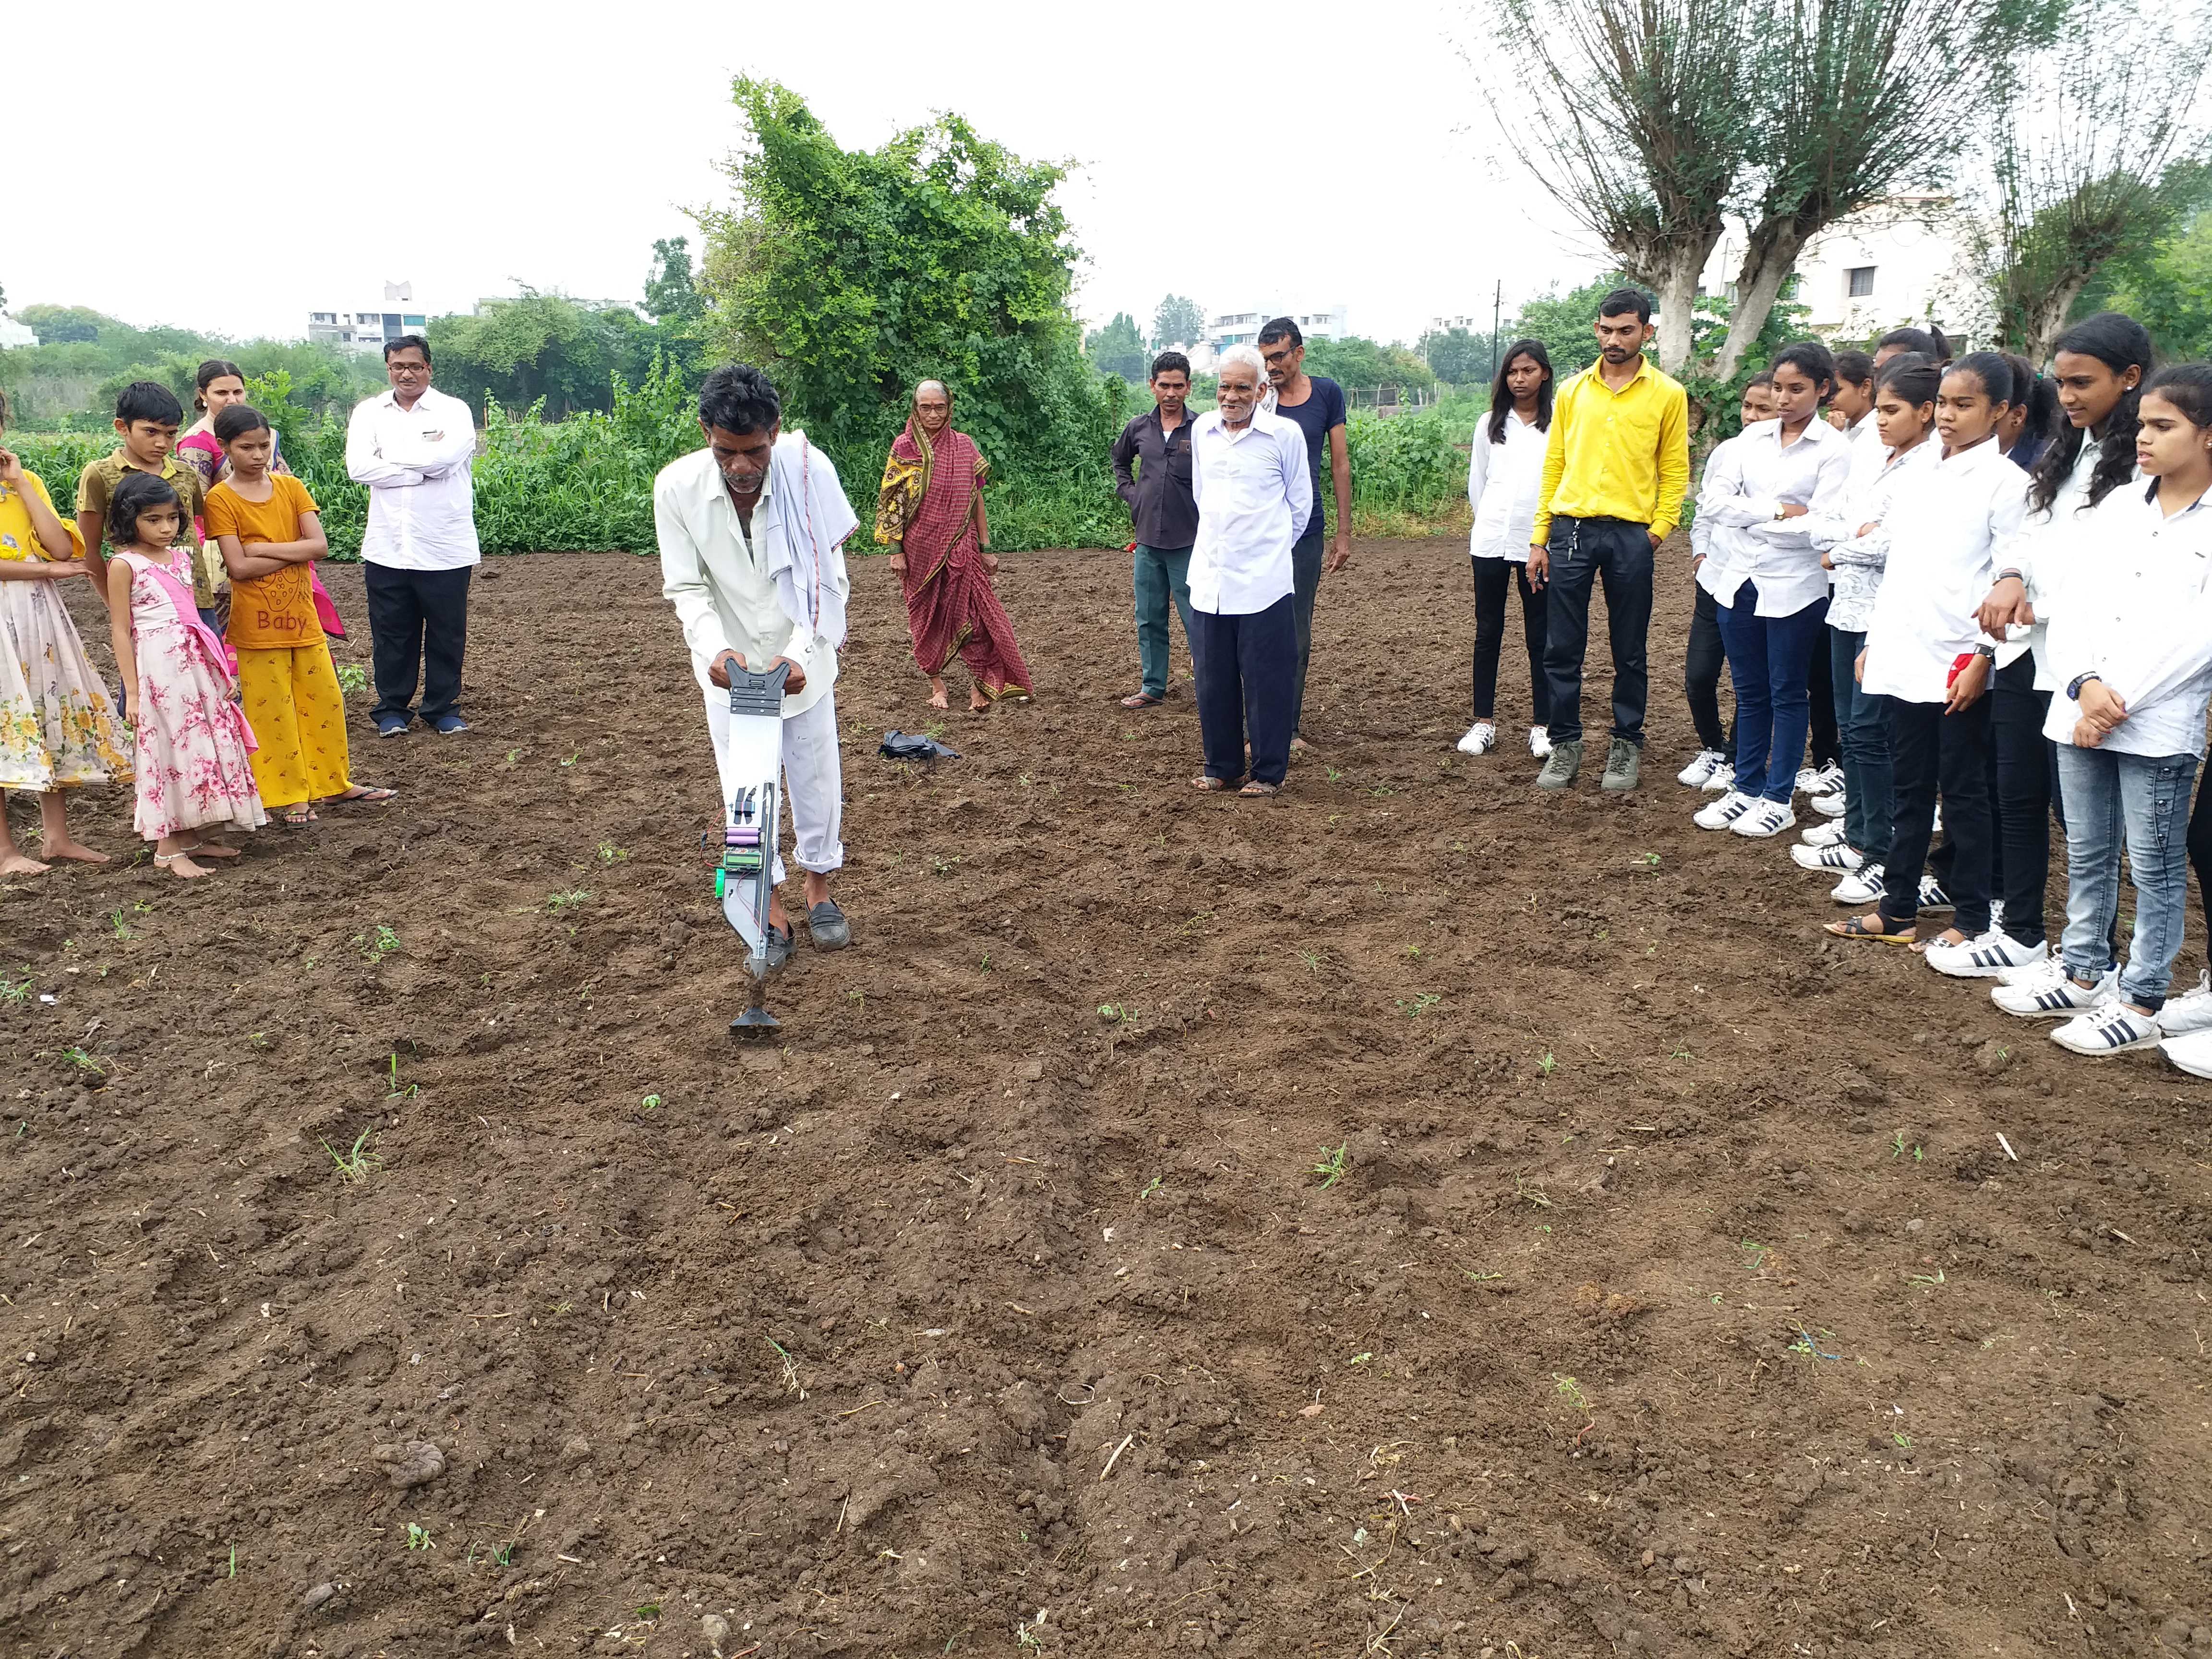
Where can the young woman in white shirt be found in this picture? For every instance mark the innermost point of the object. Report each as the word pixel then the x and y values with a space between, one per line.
pixel 1855 846
pixel 1769 590
pixel 2101 362
pixel 1927 654
pixel 2131 635
pixel 1713 769
pixel 1504 474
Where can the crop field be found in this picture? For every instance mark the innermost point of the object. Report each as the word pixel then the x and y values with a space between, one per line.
pixel 1413 1217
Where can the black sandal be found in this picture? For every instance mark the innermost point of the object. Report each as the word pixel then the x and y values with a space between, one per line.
pixel 1856 927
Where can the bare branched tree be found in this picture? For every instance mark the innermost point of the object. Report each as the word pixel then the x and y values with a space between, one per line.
pixel 1638 115
pixel 2094 153
pixel 1855 98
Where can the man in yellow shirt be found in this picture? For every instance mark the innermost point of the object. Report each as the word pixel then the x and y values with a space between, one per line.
pixel 1615 469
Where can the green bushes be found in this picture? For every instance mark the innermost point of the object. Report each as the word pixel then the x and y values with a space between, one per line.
pixel 1407 472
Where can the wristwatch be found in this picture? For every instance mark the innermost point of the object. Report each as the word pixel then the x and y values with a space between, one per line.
pixel 2073 686
pixel 1985 652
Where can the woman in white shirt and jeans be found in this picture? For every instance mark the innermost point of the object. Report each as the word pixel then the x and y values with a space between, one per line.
pixel 2130 643
pixel 1504 474
pixel 1770 593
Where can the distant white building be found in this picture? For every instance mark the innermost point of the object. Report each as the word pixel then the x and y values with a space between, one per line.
pixel 1905 261
pixel 14 334
pixel 369 330
pixel 1230 328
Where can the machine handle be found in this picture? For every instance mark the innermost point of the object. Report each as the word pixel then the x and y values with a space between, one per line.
pixel 752 693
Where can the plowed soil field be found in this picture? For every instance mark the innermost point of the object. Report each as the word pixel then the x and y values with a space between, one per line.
pixel 1414 1217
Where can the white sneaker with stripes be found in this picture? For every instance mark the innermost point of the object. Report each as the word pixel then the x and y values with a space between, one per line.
pixel 1861 886
pixel 2110 1028
pixel 1986 956
pixel 1701 769
pixel 1718 815
pixel 1767 818
pixel 2191 1052
pixel 1835 855
pixel 2049 992
pixel 1821 835
pixel 2190 1011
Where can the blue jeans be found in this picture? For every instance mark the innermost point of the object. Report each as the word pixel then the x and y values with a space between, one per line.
pixel 2144 798
pixel 1864 737
pixel 1769 660
pixel 1161 573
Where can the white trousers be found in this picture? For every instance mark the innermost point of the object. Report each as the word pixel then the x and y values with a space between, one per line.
pixel 812 782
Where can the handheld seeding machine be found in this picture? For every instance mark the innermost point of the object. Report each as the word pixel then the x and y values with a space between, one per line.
pixel 744 878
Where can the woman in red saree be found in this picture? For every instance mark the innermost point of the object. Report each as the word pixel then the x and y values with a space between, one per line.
pixel 930 514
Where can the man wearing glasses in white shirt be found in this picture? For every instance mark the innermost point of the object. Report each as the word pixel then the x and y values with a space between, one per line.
pixel 1255 495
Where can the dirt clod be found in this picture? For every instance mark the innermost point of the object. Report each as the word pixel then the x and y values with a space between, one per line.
pixel 411 1463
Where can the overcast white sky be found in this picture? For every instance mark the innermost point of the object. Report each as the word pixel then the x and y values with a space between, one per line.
pixel 468 146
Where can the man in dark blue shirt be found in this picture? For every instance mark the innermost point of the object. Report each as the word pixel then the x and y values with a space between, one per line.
pixel 1315 403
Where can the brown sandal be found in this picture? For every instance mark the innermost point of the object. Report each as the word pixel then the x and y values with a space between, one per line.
pixel 1257 791
pixel 1142 700
pixel 1207 785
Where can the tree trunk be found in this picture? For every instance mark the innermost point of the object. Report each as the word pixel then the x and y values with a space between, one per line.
pixel 1769 257
pixel 2043 319
pixel 1674 272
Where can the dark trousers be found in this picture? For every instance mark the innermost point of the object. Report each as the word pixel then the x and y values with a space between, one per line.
pixel 1930 752
pixel 1305 585
pixel 416 617
pixel 2024 764
pixel 1864 730
pixel 1246 669
pixel 1491 577
pixel 1160 574
pixel 1618 554
pixel 2200 852
pixel 1766 660
pixel 1820 693
pixel 1702 665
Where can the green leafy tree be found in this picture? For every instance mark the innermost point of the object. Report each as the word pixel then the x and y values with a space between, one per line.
pixel 542 348
pixel 1566 323
pixel 1359 363
pixel 1177 321
pixel 1118 349
pixel 670 294
pixel 2166 287
pixel 850 276
pixel 1458 356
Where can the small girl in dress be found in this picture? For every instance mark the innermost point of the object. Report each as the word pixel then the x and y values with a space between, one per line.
pixel 195 768
pixel 57 728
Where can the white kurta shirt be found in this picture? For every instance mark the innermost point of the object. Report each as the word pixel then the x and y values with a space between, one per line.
pixel 2048 543
pixel 2134 610
pixel 1503 482
pixel 717 577
pixel 422 500
pixel 1747 480
pixel 1254 497
pixel 1949 527
pixel 1859 559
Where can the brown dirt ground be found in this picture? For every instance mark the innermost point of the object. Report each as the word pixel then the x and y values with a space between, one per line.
pixel 1677 1296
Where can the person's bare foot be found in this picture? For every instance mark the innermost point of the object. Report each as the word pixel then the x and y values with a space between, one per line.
pixel 20 863
pixel 180 865
pixel 65 848
pixel 209 849
pixel 977 703
pixel 937 699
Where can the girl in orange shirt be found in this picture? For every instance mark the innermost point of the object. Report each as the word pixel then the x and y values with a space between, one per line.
pixel 272 533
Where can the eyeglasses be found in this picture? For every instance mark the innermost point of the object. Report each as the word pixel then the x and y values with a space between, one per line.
pixel 1277 359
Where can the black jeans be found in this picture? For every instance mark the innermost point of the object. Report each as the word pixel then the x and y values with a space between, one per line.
pixel 1245 667
pixel 1820 692
pixel 1702 665
pixel 2024 764
pixel 1306 555
pixel 1618 554
pixel 1491 577
pixel 1928 751
pixel 416 617
pixel 2200 851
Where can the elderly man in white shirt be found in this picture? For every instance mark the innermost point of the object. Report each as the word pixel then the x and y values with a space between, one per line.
pixel 411 446
pixel 1770 592
pixel 1254 496
pixel 752 531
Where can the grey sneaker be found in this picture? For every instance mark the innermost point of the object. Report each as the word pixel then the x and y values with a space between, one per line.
pixel 1562 765
pixel 1624 762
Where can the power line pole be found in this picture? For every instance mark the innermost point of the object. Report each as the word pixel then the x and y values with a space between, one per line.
pixel 1496 312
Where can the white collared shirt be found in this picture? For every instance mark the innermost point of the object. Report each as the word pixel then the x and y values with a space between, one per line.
pixel 1949 527
pixel 2135 611
pixel 2048 542
pixel 1859 559
pixel 1747 481
pixel 1503 482
pixel 1254 497
pixel 717 576
pixel 421 502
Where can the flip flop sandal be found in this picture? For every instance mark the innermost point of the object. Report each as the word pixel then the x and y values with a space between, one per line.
pixel 294 817
pixel 358 794
pixel 1257 791
pixel 1142 700
pixel 1856 927
pixel 1211 786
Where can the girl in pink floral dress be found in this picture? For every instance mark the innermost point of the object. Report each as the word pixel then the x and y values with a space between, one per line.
pixel 193 740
